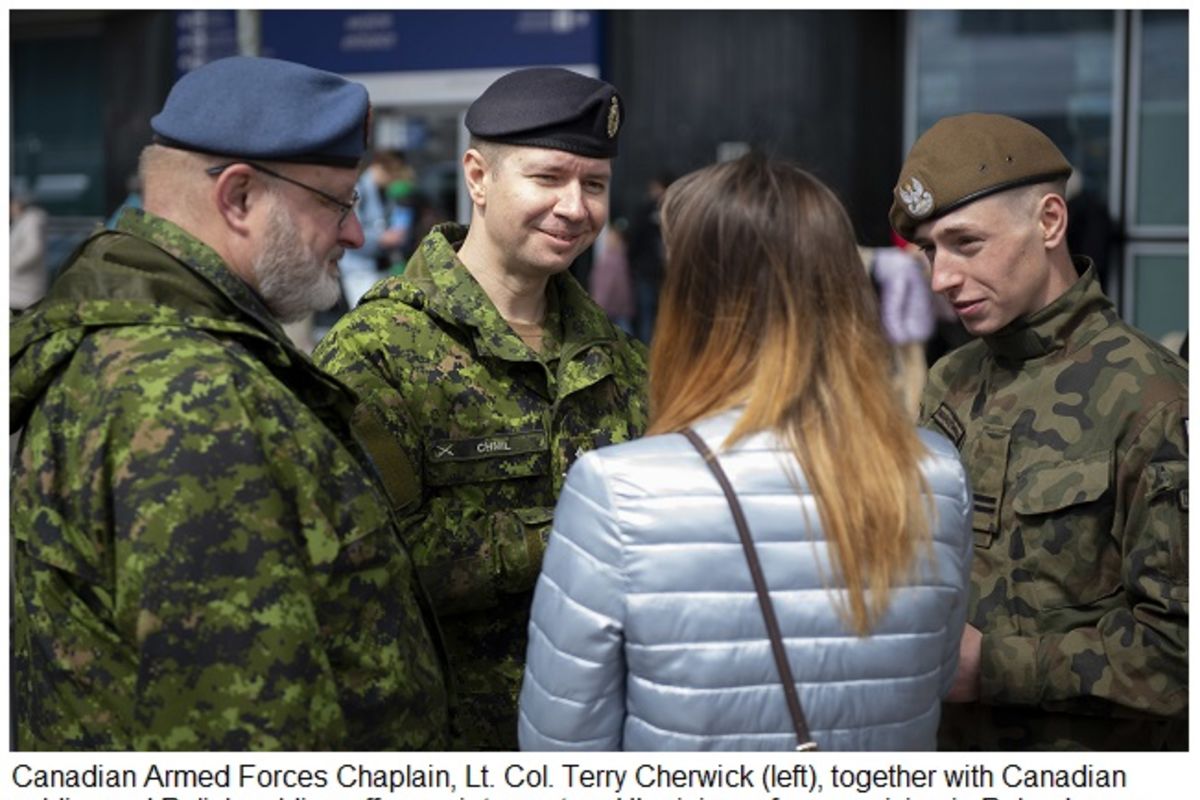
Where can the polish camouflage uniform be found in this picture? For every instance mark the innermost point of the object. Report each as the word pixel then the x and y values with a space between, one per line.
pixel 474 433
pixel 203 559
pixel 1073 428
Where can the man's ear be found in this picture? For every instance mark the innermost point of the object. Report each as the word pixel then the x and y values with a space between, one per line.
pixel 235 194
pixel 1052 218
pixel 475 170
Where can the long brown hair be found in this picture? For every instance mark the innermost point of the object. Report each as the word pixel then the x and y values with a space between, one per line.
pixel 765 303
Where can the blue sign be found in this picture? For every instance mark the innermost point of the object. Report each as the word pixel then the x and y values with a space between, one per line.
pixel 203 36
pixel 404 41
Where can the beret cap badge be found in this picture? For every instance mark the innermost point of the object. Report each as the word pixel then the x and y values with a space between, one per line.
pixel 614 117
pixel 917 199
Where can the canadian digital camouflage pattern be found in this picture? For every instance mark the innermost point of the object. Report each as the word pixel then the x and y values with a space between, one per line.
pixel 203 559
pixel 1073 429
pixel 474 432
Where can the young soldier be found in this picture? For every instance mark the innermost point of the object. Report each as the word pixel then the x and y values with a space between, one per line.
pixel 1073 428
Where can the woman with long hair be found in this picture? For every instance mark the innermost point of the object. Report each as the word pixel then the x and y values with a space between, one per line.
pixel 646 631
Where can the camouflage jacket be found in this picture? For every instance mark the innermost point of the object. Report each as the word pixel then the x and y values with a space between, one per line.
pixel 1073 428
pixel 203 559
pixel 474 432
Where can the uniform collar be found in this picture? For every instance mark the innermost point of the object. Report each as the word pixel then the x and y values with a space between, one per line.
pixel 328 397
pixel 186 285
pixel 202 260
pixel 1067 323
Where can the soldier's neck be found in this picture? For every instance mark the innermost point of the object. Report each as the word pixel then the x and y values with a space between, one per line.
pixel 533 334
pixel 518 300
pixel 519 296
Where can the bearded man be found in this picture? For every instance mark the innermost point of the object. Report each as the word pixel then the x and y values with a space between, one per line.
pixel 203 556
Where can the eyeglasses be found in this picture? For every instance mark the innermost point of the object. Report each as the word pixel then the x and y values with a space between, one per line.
pixel 345 207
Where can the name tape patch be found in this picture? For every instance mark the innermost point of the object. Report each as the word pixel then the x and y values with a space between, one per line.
pixel 501 444
pixel 945 419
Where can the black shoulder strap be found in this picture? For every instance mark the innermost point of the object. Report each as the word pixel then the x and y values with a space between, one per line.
pixel 803 739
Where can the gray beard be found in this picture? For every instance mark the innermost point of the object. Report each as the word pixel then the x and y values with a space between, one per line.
pixel 292 280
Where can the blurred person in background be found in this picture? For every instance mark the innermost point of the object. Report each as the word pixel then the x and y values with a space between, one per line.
pixel 646 254
pixel 203 557
pixel 360 267
pixel 646 631
pixel 609 282
pixel 1073 429
pixel 405 206
pixel 906 311
pixel 363 267
pixel 27 273
pixel 485 370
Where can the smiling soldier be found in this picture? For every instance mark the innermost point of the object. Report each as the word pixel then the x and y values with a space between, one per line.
pixel 1073 428
pixel 486 370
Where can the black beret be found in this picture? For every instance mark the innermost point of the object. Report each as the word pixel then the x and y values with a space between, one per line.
pixel 965 158
pixel 264 108
pixel 549 107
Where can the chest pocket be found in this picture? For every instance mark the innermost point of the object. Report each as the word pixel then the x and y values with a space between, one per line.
pixel 499 457
pixel 1063 521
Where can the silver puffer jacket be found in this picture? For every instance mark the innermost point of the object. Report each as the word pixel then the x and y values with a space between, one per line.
pixel 646 633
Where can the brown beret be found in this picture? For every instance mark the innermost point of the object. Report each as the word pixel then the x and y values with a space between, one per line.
pixel 962 159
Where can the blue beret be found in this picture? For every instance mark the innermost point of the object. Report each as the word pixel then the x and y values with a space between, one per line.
pixel 264 108
pixel 549 107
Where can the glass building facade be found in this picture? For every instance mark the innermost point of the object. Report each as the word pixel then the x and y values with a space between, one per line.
pixel 1110 88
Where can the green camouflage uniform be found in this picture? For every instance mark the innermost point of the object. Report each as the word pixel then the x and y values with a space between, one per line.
pixel 1072 426
pixel 451 395
pixel 203 558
